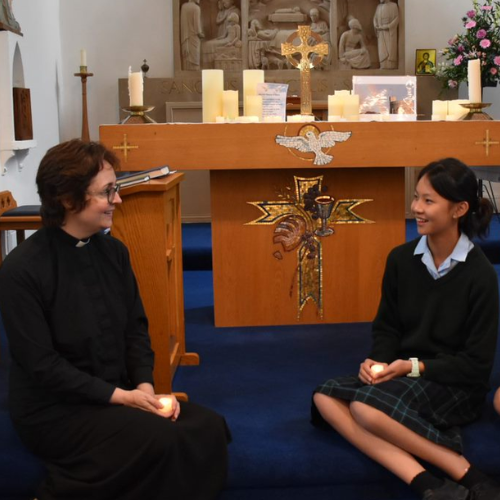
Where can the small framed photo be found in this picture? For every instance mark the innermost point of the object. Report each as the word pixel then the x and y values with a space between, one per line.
pixel 425 62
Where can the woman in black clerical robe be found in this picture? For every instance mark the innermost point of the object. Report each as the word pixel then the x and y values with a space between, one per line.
pixel 81 392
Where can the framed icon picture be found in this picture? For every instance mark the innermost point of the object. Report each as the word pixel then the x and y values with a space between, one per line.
pixel 425 62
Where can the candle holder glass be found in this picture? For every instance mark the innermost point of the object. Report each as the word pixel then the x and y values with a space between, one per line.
pixel 476 111
pixel 137 115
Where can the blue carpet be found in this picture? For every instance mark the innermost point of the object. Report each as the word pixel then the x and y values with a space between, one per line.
pixel 261 379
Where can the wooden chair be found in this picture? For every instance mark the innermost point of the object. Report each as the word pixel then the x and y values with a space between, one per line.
pixel 19 219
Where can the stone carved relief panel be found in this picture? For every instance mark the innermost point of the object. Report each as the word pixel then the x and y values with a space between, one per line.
pixel 364 36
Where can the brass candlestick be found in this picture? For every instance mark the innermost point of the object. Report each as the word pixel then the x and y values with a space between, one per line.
pixel 85 119
pixel 137 115
pixel 476 111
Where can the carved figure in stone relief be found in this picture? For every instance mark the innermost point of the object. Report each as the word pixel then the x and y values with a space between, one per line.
pixel 232 37
pixel 262 51
pixel 386 22
pixel 191 35
pixel 7 15
pixel 217 48
pixel 322 29
pixel 226 8
pixel 352 48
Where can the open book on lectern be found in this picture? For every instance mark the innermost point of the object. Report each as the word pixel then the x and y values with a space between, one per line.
pixel 125 179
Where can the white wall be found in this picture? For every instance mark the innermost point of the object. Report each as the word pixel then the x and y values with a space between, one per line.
pixel 40 51
pixel 116 35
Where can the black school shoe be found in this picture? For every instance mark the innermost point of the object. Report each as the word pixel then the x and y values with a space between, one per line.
pixel 449 491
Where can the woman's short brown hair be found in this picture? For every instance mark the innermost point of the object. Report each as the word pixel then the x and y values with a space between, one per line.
pixel 65 174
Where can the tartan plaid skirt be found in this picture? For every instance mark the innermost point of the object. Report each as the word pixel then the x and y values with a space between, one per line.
pixel 432 410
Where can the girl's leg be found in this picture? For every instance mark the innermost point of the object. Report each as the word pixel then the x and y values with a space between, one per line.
pixel 383 426
pixel 337 413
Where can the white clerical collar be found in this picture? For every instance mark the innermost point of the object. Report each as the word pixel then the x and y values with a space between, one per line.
pixel 82 243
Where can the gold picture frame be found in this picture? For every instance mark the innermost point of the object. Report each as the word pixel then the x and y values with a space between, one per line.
pixel 425 62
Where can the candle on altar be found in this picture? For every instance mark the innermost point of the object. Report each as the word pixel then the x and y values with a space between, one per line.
pixel 335 106
pixel 456 110
pixel 167 405
pixel 351 107
pixel 440 108
pixel 135 87
pixel 474 79
pixel 230 104
pixel 253 106
pixel 83 57
pixel 377 368
pixel 212 87
pixel 251 77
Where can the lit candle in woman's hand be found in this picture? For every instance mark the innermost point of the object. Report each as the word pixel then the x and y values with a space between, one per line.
pixel 377 368
pixel 167 405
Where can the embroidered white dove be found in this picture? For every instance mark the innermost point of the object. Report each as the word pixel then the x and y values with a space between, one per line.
pixel 312 143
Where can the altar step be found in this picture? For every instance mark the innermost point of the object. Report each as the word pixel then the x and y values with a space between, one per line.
pixel 197 243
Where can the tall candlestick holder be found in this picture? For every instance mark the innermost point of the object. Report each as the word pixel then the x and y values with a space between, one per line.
pixel 476 111
pixel 137 115
pixel 84 74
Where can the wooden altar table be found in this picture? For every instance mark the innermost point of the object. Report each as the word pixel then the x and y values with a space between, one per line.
pixel 260 277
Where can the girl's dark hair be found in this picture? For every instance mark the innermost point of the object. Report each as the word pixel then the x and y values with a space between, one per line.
pixel 65 174
pixel 456 182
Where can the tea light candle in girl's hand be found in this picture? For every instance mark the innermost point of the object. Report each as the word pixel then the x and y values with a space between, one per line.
pixel 167 405
pixel 377 368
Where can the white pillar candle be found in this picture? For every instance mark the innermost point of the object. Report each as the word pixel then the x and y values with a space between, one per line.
pixel 253 106
pixel 167 405
pixel 351 106
pixel 456 110
pixel 438 118
pixel 230 104
pixel 135 88
pixel 335 106
pixel 377 368
pixel 212 87
pixel 474 79
pixel 83 57
pixel 440 107
pixel 251 77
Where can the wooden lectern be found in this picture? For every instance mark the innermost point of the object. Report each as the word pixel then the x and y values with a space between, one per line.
pixel 148 222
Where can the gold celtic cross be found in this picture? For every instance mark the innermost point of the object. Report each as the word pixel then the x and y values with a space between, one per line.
pixel 486 142
pixel 125 146
pixel 288 49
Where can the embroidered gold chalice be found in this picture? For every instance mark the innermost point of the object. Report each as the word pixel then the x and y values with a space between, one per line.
pixel 324 204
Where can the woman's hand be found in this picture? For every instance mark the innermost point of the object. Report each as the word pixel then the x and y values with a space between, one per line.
pixel 143 400
pixel 366 375
pixel 170 406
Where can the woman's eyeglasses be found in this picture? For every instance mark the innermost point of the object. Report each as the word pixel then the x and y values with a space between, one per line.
pixel 108 193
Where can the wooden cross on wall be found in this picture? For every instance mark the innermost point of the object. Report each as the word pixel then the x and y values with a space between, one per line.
pixel 288 49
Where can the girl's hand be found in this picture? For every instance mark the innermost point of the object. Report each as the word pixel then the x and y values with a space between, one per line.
pixel 366 375
pixel 398 368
